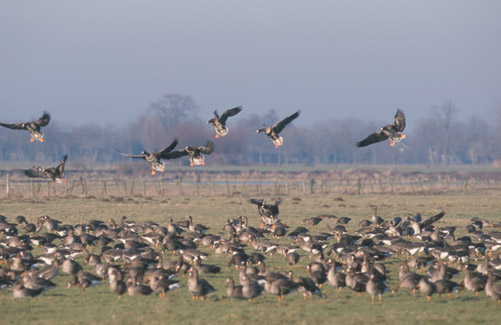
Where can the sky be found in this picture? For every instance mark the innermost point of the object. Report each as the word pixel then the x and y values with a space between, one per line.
pixel 104 62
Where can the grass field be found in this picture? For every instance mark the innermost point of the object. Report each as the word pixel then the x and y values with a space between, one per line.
pixel 98 305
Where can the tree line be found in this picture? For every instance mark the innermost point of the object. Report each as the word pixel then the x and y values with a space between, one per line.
pixel 438 139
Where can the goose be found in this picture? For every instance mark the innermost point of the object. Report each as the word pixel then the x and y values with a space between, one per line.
pixel 492 290
pixel 250 289
pixel 161 285
pixel 219 121
pixel 137 289
pixel 426 287
pixel 273 131
pixel 308 287
pixel 281 286
pixel 392 131
pixel 33 127
pixel 84 280
pixel 375 287
pixel 336 279
pixel 20 291
pixel 233 291
pixel 154 158
pixel 194 152
pixel 54 173
pixel 198 287
pixel 291 258
pixel 268 212
pixel 117 286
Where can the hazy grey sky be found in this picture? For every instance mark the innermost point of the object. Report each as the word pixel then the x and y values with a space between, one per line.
pixel 106 61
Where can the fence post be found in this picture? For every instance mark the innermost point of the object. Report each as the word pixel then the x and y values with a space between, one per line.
pixel 7 185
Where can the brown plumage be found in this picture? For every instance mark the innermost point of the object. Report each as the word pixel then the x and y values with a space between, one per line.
pixel 194 152
pixel 392 131
pixel 154 158
pixel 273 131
pixel 219 121
pixel 54 173
pixel 33 127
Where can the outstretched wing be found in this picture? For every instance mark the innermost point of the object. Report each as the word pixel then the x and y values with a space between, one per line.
pixel 165 151
pixel 256 201
pixel 373 138
pixel 44 120
pixel 60 167
pixel 36 172
pixel 228 113
pixel 432 219
pixel 208 148
pixel 131 156
pixel 399 122
pixel 175 154
pixel 279 126
pixel 16 126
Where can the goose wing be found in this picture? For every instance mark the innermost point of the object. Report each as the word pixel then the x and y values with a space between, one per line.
pixel 373 138
pixel 60 167
pixel 168 149
pixel 208 148
pixel 36 172
pixel 15 126
pixel 228 113
pixel 432 219
pixel 279 126
pixel 131 156
pixel 44 120
pixel 399 122
pixel 175 154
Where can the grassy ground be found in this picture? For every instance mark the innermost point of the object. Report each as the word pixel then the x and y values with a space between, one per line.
pixel 62 305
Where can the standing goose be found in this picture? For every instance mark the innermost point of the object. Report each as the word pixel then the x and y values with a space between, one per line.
pixel 250 289
pixel 219 122
pixel 194 152
pixel 375 287
pixel 198 287
pixel 391 131
pixel 33 127
pixel 273 131
pixel 54 173
pixel 153 158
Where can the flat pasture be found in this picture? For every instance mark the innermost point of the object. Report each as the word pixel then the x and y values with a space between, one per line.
pixel 212 202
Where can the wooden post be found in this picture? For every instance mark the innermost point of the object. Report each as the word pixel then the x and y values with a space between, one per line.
pixel 465 185
pixel 7 186
pixel 104 189
pixel 132 187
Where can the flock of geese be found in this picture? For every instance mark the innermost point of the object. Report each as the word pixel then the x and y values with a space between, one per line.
pixel 393 132
pixel 134 257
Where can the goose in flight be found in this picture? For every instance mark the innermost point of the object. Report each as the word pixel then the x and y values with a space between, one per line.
pixel 33 127
pixel 273 131
pixel 154 158
pixel 55 173
pixel 391 131
pixel 219 121
pixel 194 152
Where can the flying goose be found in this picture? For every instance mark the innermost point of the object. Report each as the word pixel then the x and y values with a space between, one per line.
pixel 391 131
pixel 273 131
pixel 33 127
pixel 194 152
pixel 219 121
pixel 153 158
pixel 55 173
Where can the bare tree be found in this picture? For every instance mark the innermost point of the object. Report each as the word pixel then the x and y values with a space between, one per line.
pixel 446 114
pixel 172 109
